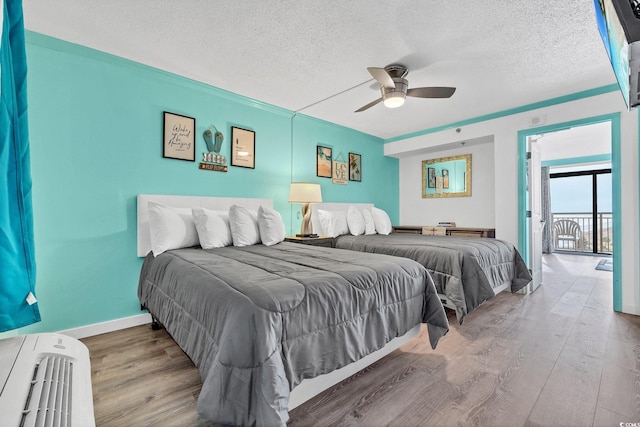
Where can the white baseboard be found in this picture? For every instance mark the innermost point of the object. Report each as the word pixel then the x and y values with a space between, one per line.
pixel 109 326
pixel 631 309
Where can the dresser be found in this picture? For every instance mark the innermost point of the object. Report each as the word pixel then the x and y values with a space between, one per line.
pixel 450 231
pixel 471 232
pixel 407 229
pixel 325 241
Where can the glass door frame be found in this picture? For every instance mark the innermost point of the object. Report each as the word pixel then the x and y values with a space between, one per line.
pixel 594 198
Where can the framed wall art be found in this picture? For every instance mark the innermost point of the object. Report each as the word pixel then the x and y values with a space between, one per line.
pixel 447 176
pixel 355 167
pixel 178 137
pixel 243 148
pixel 340 170
pixel 323 161
pixel 431 177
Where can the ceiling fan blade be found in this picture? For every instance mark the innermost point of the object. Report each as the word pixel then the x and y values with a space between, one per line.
pixel 369 105
pixel 381 75
pixel 431 92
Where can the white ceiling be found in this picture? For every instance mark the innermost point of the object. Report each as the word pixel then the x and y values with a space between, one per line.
pixel 500 54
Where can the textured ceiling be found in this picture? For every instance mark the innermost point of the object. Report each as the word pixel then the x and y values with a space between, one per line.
pixel 499 54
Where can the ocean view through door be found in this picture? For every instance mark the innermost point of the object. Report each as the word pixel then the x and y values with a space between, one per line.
pixel 581 209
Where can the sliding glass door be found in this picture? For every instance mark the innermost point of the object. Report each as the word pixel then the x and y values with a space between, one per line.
pixel 581 211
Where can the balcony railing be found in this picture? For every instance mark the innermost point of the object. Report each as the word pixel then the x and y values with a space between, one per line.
pixel 584 242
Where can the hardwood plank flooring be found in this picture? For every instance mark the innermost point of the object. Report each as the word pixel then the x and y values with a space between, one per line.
pixel 558 357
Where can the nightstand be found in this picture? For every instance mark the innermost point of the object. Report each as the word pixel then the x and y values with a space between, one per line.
pixel 325 241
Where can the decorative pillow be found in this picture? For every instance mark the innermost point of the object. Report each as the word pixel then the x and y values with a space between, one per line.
pixel 244 226
pixel 333 223
pixel 170 228
pixel 271 226
pixel 213 228
pixel 369 225
pixel 381 220
pixel 355 221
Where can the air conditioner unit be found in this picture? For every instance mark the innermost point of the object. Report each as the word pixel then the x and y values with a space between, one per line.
pixel 45 380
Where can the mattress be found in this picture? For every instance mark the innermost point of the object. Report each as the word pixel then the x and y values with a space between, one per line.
pixel 466 270
pixel 258 320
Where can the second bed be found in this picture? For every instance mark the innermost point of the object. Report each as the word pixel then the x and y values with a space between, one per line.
pixel 467 271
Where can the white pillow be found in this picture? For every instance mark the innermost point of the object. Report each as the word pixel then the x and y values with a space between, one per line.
pixel 271 226
pixel 213 228
pixel 170 228
pixel 381 220
pixel 369 225
pixel 355 221
pixel 333 223
pixel 244 226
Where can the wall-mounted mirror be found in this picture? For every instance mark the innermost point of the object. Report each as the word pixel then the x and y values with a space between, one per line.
pixel 447 177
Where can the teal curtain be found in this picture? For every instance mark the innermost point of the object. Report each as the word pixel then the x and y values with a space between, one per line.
pixel 17 260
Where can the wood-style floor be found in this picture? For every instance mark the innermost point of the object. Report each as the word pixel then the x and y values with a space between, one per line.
pixel 558 357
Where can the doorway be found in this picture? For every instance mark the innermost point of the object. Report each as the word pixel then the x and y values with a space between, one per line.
pixel 524 241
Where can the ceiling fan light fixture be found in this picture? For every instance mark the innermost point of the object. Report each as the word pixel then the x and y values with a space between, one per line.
pixel 394 99
pixel 394 88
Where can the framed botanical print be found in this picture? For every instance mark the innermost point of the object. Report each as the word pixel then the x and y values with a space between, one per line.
pixel 355 167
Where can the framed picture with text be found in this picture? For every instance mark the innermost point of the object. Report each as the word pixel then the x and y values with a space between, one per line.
pixel 178 137
pixel 243 148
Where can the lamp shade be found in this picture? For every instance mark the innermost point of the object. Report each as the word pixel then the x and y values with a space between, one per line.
pixel 305 192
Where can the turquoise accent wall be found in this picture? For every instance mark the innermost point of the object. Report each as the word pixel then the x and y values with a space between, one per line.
pixel 380 174
pixel 96 142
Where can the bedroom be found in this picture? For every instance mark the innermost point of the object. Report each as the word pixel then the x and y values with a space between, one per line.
pixel 95 128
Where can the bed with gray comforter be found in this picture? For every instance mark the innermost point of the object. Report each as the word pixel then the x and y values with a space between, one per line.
pixel 258 320
pixel 464 269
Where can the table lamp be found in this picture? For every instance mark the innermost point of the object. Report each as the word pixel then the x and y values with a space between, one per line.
pixel 305 193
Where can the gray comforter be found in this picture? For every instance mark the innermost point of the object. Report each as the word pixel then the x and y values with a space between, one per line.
pixel 464 269
pixel 258 320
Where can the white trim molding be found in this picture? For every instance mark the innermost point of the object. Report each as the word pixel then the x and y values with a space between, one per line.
pixel 108 326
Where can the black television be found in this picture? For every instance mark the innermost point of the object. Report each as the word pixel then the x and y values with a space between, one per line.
pixel 619 26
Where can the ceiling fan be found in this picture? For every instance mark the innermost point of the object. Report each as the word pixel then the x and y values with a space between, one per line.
pixel 394 87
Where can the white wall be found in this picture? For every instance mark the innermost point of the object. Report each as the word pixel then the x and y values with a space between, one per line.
pixel 414 210
pixel 504 132
pixel 581 141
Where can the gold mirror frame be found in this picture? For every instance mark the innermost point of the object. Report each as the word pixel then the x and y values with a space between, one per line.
pixel 443 193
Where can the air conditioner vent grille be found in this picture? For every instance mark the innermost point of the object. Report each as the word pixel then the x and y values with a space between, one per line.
pixel 48 402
